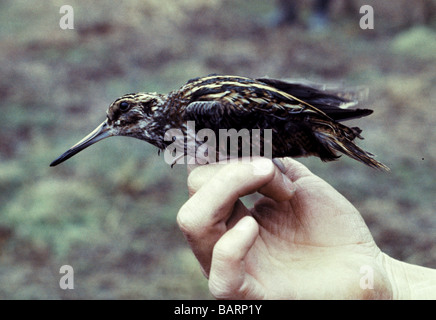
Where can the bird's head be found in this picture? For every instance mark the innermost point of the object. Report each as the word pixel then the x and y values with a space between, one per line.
pixel 131 115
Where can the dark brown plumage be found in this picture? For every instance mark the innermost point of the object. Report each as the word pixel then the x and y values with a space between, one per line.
pixel 304 121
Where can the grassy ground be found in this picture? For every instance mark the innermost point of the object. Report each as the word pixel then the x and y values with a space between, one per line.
pixel 110 211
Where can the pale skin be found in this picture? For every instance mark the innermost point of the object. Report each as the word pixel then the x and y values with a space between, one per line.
pixel 302 240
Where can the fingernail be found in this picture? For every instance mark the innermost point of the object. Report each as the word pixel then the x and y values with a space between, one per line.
pixel 289 184
pixel 262 166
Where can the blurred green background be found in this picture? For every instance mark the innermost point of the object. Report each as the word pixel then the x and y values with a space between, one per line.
pixel 110 212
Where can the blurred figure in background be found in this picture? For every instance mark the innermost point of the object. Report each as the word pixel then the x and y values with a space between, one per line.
pixel 287 14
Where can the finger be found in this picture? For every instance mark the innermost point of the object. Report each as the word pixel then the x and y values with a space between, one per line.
pixel 204 217
pixel 294 169
pixel 228 278
pixel 277 185
pixel 214 201
pixel 199 175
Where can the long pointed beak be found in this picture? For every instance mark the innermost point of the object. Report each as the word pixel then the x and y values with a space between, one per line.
pixel 100 133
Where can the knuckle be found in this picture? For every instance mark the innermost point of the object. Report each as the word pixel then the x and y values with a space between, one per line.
pixel 185 218
pixel 194 181
pixel 199 176
pixel 190 223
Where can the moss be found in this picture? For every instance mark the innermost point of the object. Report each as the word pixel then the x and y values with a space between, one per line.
pixel 418 42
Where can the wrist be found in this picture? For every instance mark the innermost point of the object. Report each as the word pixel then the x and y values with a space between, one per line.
pixel 410 281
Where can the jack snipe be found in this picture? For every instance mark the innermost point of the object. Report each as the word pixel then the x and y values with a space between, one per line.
pixel 304 121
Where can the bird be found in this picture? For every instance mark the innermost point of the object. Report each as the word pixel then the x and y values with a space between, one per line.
pixel 303 120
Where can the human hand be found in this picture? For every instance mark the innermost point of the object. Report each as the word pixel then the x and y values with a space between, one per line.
pixel 302 240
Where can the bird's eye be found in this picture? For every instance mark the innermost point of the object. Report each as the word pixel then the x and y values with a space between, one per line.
pixel 124 106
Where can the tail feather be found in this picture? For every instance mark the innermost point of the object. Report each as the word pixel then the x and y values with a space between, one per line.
pixel 349 148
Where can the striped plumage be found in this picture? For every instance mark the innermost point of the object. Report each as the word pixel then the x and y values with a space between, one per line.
pixel 305 121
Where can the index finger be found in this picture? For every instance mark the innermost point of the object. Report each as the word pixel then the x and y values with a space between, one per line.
pixel 203 218
pixel 278 185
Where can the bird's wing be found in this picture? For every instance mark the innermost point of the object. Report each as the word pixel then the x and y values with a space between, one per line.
pixel 240 100
pixel 336 104
pixel 204 111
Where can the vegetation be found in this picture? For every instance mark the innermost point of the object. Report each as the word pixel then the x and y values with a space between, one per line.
pixel 110 212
